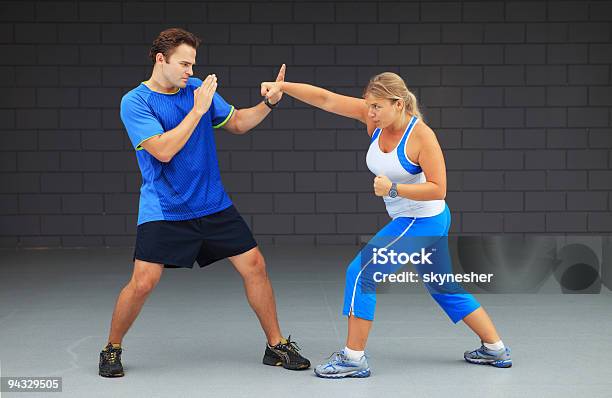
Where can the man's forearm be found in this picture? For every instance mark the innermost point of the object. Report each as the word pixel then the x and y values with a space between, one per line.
pixel 248 118
pixel 173 140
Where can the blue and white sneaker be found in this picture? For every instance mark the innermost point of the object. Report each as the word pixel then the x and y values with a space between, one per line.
pixel 484 356
pixel 340 366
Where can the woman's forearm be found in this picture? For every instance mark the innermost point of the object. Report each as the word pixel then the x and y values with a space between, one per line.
pixel 423 191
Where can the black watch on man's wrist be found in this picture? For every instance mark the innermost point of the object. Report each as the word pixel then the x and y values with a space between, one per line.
pixel 269 104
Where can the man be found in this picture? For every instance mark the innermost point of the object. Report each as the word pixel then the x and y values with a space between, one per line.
pixel 185 215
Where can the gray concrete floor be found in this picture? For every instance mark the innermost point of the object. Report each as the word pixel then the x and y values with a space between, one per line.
pixel 197 336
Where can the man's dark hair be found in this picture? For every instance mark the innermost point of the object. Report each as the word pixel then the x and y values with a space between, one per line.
pixel 169 39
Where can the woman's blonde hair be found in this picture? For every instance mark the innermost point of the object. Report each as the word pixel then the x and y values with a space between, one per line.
pixel 391 86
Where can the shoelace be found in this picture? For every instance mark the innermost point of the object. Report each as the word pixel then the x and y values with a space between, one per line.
pixel 291 345
pixel 111 355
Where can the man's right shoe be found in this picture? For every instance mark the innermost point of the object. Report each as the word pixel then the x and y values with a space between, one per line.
pixel 110 362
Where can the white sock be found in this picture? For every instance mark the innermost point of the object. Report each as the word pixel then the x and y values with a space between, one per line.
pixel 495 346
pixel 352 354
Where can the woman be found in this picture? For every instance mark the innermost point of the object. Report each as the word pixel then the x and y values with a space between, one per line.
pixel 407 161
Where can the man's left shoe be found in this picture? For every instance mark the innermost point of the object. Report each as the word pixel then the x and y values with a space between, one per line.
pixel 285 354
pixel 484 356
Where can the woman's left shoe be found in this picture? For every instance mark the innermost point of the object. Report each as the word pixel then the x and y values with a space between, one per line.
pixel 484 356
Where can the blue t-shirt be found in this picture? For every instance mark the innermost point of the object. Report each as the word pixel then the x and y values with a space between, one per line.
pixel 189 186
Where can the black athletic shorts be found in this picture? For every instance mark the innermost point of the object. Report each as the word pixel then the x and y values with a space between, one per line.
pixel 207 239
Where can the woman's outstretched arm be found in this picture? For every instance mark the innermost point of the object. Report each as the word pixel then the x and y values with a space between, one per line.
pixel 343 105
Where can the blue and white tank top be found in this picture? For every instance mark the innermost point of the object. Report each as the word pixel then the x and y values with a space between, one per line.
pixel 401 170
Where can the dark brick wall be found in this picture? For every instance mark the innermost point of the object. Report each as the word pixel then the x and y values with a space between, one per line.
pixel 519 94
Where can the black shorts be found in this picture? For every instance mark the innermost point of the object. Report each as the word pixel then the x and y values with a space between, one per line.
pixel 207 239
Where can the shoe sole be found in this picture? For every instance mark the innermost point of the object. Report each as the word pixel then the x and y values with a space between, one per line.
pixel 504 363
pixel 111 374
pixel 275 362
pixel 358 374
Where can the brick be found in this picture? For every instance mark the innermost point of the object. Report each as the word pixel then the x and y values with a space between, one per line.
pixel 315 182
pixel 503 160
pixel 250 34
pixel 482 54
pixel 35 33
pixel 294 203
pixel 504 33
pixel 482 222
pixel 441 96
pixel 598 96
pixel 546 117
pixel 587 159
pixel 440 12
pixel 587 200
pixel 228 55
pixel 272 55
pixel 398 55
pixel 335 161
pixel 13 53
pixel 503 117
pixel 482 96
pixel 321 140
pixel 319 223
pixel 355 182
pixel 600 138
pixel 568 11
pixel 39 204
pixel 462 33
pixel 587 117
pixel 273 182
pixel 82 204
pixel 488 138
pixel 335 33
pixel 252 161
pixel 567 138
pixel 525 11
pixel 120 161
pixel 589 32
pixel 417 33
pixel 398 12
pixel 356 55
pixel 313 12
pixel 482 181
pixel 461 75
pixel 524 138
pixel 370 203
pixel 461 117
pixel 9 204
pixel 37 119
pixel 79 33
pixel 100 55
pixel 17 11
pixel 293 34
pixel 600 53
pixel 566 96
pixel 441 54
pixel 544 201
pixel 546 75
pixel 566 222
pixel 61 224
pixel 525 180
pixel 360 223
pixel 464 201
pixel 336 76
pixel 76 76
pixel 185 12
pixel 99 11
pixel 566 54
pixel 82 241
pixel 504 75
pixel 547 32
pixel 336 203
pixel 525 54
pixel 330 120
pixel 356 12
pixel 524 222
pixel 19 225
pixel 253 202
pixel 293 161
pixel 102 182
pixel 39 242
pixel 212 33
pixel 503 201
pixel 600 11
pixel 525 96
pixel 57 97
pixel 18 97
pixel 104 225
pixel 449 138
pixel 273 224
pixel 38 161
pixel 566 180
pixel 463 160
pixel 600 222
pixel 478 11
pixel 600 179
pixel 545 159
pixel 19 182
pixel 237 182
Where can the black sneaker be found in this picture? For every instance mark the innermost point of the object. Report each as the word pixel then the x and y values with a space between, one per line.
pixel 110 362
pixel 285 354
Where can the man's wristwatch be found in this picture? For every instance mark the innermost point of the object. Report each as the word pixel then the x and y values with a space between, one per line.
pixel 393 191
pixel 269 104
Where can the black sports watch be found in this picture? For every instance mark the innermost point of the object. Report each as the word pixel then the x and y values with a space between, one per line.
pixel 393 190
pixel 269 104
